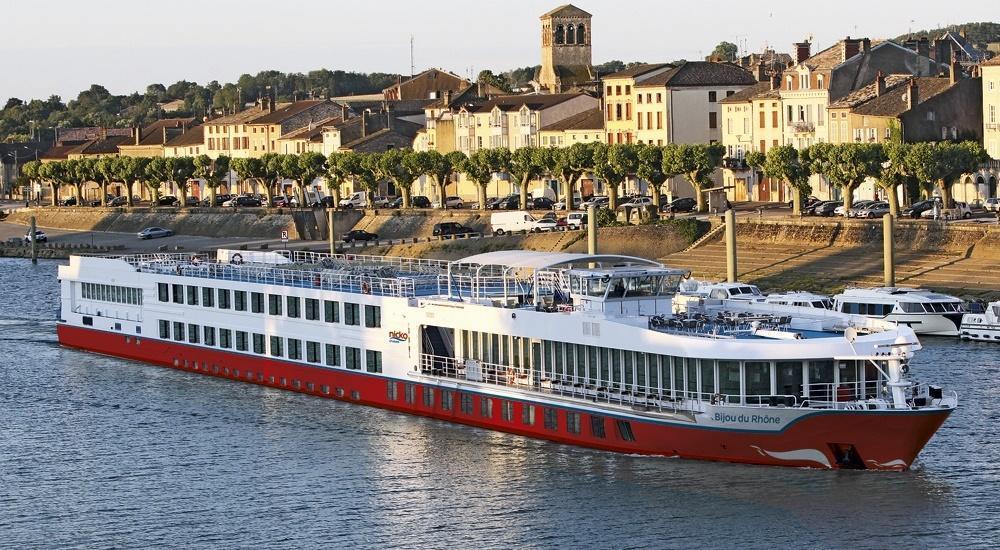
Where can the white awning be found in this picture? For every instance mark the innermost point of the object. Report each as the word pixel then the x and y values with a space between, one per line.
pixel 540 260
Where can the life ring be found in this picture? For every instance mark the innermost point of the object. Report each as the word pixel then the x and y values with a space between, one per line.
pixel 236 259
pixel 366 288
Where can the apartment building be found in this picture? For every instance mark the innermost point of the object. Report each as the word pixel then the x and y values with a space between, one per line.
pixel 256 131
pixel 430 84
pixel 585 127
pixel 151 140
pixel 990 71
pixel 514 121
pixel 621 101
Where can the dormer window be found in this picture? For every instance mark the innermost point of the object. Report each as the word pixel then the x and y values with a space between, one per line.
pixel 788 82
pixel 819 81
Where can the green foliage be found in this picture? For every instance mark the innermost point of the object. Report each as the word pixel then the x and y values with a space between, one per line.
pixel 725 51
pixel 976 33
pixel 689 228
pixel 486 76
pixel 606 217
pixel 696 163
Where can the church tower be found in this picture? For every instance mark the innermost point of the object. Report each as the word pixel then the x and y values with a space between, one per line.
pixel 566 39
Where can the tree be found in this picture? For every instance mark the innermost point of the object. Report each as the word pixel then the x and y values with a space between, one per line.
pixel 847 165
pixel 614 164
pixel 213 171
pixel 30 170
pixel 362 169
pixel 130 170
pixel 311 166
pixel 650 169
pixel 527 164
pixel 104 174
pixel 249 169
pixel 416 164
pixel 441 168
pixel 696 163
pixel 335 175
pixel 569 164
pixel 53 173
pixel 787 164
pixel 79 172
pixel 481 165
pixel 725 51
pixel 486 76
pixel 271 164
pixel 153 174
pixel 943 163
pixel 400 166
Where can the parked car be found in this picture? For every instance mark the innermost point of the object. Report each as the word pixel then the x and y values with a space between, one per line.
pixel 154 233
pixel 576 220
pixel 420 201
pixel 636 202
pixel 826 208
pixel 40 236
pixel 807 202
pixel 561 204
pixel 992 204
pixel 874 210
pixel 323 202
pixel 511 222
pixel 381 202
pixel 166 200
pixel 219 199
pixel 243 200
pixel 69 202
pixel 841 211
pixel 546 224
pixel 191 201
pixel 541 203
pixel 599 201
pixel 359 235
pixel 684 204
pixel 445 229
pixel 281 201
pixel 917 209
pixel 453 202
pixel 395 203
pixel 961 210
pixel 118 201
pixel 358 199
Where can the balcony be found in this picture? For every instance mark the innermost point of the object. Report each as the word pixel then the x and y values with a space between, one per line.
pixel 735 163
pixel 803 127
pixel 992 126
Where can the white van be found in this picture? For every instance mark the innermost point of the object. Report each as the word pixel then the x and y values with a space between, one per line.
pixel 511 222
pixel 356 200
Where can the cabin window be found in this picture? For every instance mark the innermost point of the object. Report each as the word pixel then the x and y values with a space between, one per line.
pixel 258 343
pixel 528 414
pixel 507 410
pixel 273 304
pixel 485 407
pixel 178 294
pixel 447 400
pixel 391 390
pixel 573 422
pixel 208 297
pixel 373 361
pixel 625 430
pixel 179 331
pixel 163 292
pixel 373 316
pixel 729 380
pixel 465 402
pixel 312 352
pixel 240 300
pixel 294 306
pixel 352 314
pixel 707 377
pixel 277 347
pixel 352 358
pixel 550 418
pixel 333 355
pixel 757 379
pixel 597 426
pixel 312 309
pixel 428 397
pixel 164 329
pixel 294 348
pixel 225 338
pixel 241 340
pixel 331 311
pixel 224 298
pixel 192 295
pixel 821 380
pixel 256 302
pixel 209 333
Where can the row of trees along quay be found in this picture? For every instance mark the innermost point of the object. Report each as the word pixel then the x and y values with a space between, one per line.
pixel 892 164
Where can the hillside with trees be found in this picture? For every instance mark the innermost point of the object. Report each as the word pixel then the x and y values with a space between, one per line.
pixel 978 34
pixel 96 106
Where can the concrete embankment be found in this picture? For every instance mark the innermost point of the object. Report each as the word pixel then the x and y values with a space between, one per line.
pixel 212 222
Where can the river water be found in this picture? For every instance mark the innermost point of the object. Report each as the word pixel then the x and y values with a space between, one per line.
pixel 101 452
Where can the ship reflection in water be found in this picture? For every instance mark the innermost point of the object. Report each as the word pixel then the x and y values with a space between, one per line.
pixel 98 451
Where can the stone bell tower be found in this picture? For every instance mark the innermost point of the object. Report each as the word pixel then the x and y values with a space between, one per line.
pixel 566 39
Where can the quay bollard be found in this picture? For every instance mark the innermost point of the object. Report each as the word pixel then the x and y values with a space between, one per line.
pixel 888 250
pixel 329 230
pixel 730 218
pixel 591 229
pixel 34 241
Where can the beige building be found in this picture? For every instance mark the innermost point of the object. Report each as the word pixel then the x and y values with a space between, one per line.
pixel 190 143
pixel 585 127
pixel 150 141
pixel 515 121
pixel 991 107
pixel 256 131
pixel 621 100
pixel 566 55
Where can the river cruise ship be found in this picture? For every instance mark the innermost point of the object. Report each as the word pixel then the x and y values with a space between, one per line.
pixel 574 348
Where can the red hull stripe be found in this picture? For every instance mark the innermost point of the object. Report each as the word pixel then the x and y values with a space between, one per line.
pixel 883 440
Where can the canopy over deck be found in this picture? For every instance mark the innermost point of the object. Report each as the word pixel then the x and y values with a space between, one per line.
pixel 529 259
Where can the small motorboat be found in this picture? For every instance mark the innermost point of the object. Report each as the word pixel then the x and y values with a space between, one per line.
pixel 983 326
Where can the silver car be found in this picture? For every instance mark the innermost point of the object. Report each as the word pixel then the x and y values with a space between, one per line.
pixel 154 233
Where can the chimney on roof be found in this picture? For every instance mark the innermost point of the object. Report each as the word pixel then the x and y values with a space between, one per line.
pixel 263 103
pixel 775 81
pixel 364 123
pixel 956 69
pixel 447 98
pixel 879 84
pixel 344 111
pixel 762 75
pixel 164 135
pixel 924 47
pixel 849 47
pixel 802 51
pixel 912 94
pixel 866 45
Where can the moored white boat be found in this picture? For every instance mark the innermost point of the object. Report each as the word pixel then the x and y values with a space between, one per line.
pixel 983 326
pixel 924 311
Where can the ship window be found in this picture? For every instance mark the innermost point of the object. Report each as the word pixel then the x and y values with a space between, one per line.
pixel 88 321
pixel 331 311
pixel 391 390
pixel 325 389
pixel 528 414
pixel 256 302
pixel 550 418
pixel 209 333
pixel 446 400
pixel 333 355
pixel 757 379
pixel 485 407
pixel 507 410
pixel 178 294
pixel 312 352
pixel 625 430
pixel 428 396
pixel 312 309
pixel 294 348
pixel 938 307
pixel 355 394
pixel 373 361
pixel 277 347
pixel 373 316
pixel 192 295
pixel 273 304
pixel 573 422
pixel 465 401
pixel 258 343
pixel 163 292
pixel 164 329
pixel 352 314
pixel 294 306
pixel 179 331
pixel 597 426
pixel 729 380
pixel 850 307
pixel 240 299
pixel 707 377
pixel 208 297
pixel 352 358
pixel 225 338
pixel 224 298
pixel 241 340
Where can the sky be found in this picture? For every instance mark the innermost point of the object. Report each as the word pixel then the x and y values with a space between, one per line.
pixel 63 46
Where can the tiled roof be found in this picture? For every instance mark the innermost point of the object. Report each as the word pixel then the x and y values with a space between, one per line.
pixel 193 136
pixel 865 93
pixel 60 152
pixel 893 102
pixel 287 111
pixel 312 131
pixel 750 92
pixel 638 70
pixel 401 127
pixel 995 62
pixel 701 73
pixel 243 117
pixel 534 102
pixel 103 146
pixel 153 133
pixel 587 120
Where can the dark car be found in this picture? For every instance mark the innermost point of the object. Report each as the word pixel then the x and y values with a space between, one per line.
pixel 154 233
pixel 419 201
pixel 167 200
pixel 807 202
pixel 496 203
pixel 685 204
pixel 395 203
pixel 219 199
pixel 359 235
pixel 824 208
pixel 541 203
pixel 324 202
pixel 69 202
pixel 445 229
pixel 191 201
pixel 118 201
pixel 916 209
pixel 246 201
